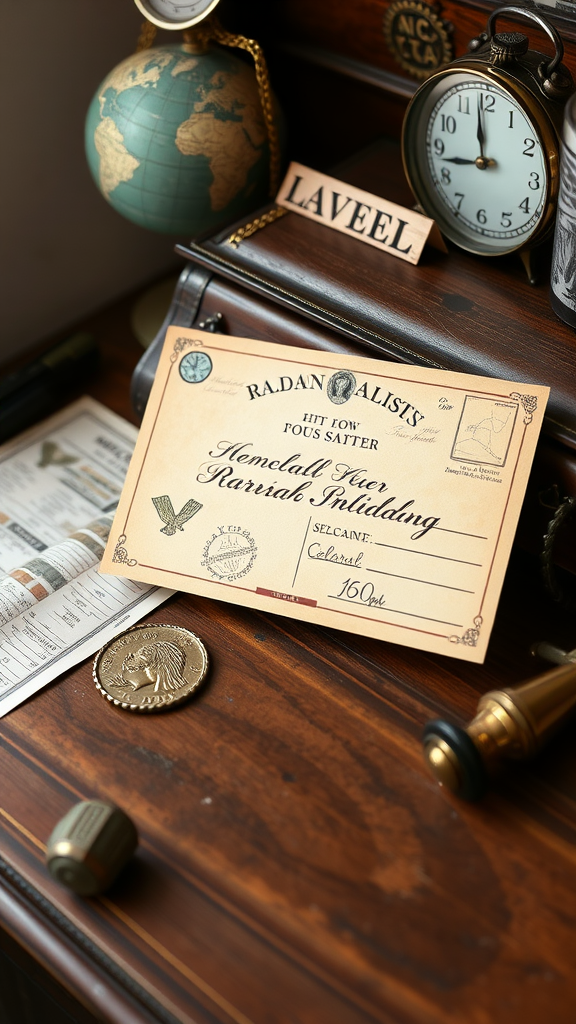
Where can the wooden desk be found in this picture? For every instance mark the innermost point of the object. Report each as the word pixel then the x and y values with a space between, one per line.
pixel 297 865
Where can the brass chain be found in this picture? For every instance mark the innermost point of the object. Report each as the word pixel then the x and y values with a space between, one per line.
pixel 147 36
pixel 200 36
pixel 254 225
pixel 262 77
pixel 211 29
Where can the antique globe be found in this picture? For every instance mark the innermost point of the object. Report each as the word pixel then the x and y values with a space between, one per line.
pixel 176 141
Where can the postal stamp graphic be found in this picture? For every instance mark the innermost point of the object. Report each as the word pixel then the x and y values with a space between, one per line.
pixel 484 431
pixel 229 554
pixel 341 386
pixel 195 367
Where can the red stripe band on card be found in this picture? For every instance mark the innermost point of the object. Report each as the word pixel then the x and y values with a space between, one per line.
pixel 286 597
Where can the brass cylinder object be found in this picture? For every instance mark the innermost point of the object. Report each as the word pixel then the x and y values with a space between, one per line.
pixel 510 724
pixel 90 845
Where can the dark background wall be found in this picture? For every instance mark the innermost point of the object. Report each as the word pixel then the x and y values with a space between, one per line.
pixel 64 251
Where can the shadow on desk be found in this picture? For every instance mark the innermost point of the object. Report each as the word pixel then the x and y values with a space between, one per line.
pixel 29 995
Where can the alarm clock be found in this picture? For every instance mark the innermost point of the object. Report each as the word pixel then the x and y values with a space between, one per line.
pixel 175 14
pixel 481 141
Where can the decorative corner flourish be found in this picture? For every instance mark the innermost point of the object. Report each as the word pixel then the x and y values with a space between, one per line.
pixel 471 636
pixel 529 404
pixel 121 554
pixel 181 343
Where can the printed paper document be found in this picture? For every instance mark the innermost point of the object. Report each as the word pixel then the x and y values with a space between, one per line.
pixel 370 496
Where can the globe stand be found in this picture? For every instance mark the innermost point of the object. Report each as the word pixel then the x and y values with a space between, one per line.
pixel 195 41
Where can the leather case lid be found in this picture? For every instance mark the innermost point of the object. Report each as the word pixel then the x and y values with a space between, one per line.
pixel 457 311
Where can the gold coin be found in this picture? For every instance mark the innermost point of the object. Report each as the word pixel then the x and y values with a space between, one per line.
pixel 150 668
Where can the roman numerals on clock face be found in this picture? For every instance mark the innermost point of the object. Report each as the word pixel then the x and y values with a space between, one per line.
pixel 483 165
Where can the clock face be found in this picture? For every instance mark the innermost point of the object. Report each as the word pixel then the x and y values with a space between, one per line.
pixel 176 13
pixel 477 164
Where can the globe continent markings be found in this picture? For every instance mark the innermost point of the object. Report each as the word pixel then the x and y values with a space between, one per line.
pixel 116 163
pixel 140 129
pixel 232 147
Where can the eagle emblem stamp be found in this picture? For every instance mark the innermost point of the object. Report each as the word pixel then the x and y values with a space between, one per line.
pixel 229 554
pixel 173 521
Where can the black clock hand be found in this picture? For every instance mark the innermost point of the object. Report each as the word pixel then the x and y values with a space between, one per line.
pixel 481 161
pixel 456 160
pixel 480 132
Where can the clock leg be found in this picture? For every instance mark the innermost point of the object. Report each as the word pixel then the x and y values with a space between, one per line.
pixel 530 260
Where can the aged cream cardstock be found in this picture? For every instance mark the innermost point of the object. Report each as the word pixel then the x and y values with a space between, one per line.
pixel 370 496
pixel 352 211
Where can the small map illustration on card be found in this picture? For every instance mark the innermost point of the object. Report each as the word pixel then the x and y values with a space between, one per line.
pixel 484 431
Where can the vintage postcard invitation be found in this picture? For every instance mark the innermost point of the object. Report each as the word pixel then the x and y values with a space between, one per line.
pixel 370 496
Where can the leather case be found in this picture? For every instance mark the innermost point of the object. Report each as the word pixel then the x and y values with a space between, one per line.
pixel 298 282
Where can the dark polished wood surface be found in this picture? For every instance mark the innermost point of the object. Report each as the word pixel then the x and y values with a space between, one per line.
pixel 357 30
pixel 458 311
pixel 30 995
pixel 297 864
pixel 298 282
pixel 339 84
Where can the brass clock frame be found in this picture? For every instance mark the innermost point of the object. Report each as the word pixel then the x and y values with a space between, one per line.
pixel 145 8
pixel 544 129
pixel 540 85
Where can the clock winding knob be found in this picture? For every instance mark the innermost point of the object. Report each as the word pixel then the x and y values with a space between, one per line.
pixel 506 47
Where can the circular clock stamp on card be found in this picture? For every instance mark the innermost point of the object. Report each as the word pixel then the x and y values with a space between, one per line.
pixel 195 367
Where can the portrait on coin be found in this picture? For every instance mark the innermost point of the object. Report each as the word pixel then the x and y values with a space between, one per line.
pixel 160 664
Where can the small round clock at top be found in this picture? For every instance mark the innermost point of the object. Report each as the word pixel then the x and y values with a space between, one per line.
pixel 195 367
pixel 481 142
pixel 175 14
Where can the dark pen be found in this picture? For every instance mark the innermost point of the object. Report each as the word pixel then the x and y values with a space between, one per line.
pixel 37 388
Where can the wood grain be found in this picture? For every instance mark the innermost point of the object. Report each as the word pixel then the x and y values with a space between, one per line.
pixel 356 30
pixel 339 85
pixel 297 864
